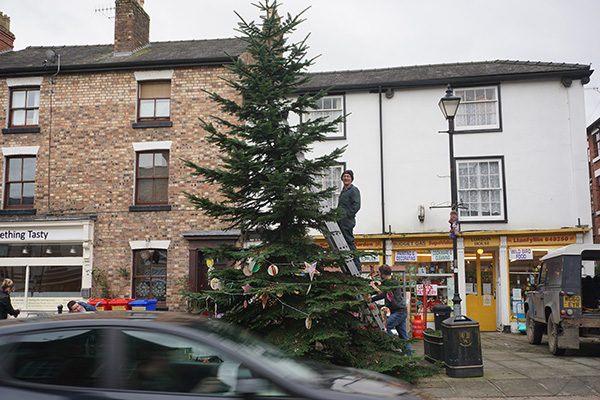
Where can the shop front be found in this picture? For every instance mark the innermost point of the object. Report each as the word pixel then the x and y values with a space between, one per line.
pixel 50 262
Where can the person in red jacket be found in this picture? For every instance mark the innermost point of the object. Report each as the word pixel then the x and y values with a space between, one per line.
pixel 7 287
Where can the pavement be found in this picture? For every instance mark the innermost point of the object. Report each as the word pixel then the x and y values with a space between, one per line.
pixel 516 370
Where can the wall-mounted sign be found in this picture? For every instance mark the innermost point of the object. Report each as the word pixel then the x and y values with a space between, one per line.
pixel 542 240
pixel 40 235
pixel 370 258
pixel 520 254
pixel 405 256
pixel 441 255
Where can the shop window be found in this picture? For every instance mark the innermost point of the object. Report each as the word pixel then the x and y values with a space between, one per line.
pixel 19 182
pixel 329 108
pixel 54 281
pixel 479 108
pixel 332 179
pixel 150 274
pixel 24 107
pixel 154 101
pixel 17 275
pixel 152 177
pixel 481 189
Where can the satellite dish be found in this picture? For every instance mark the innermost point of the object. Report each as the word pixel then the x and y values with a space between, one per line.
pixel 50 56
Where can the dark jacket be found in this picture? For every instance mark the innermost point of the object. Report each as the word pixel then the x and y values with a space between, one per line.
pixel 6 307
pixel 350 201
pixel 394 301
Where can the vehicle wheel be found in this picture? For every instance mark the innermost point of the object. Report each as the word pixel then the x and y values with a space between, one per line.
pixel 553 338
pixel 533 329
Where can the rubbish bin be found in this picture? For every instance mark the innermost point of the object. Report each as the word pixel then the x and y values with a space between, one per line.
pixel 119 304
pixel 143 305
pixel 462 347
pixel 440 313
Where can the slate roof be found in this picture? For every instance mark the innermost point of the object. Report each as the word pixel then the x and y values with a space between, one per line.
pixel 29 61
pixel 441 74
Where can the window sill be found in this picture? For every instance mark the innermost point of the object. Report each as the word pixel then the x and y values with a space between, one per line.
pixel 149 208
pixel 140 125
pixel 21 130
pixel 23 211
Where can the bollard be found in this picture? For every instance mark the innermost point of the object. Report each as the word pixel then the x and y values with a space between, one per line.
pixel 60 307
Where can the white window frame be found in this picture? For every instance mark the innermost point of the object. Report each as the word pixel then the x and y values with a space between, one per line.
pixel 325 109
pixel 332 178
pixel 478 110
pixel 482 197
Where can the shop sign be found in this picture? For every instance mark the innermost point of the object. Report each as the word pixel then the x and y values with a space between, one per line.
pixel 419 244
pixel 481 241
pixel 367 244
pixel 40 235
pixel 430 289
pixel 441 255
pixel 567 238
pixel 520 254
pixel 370 258
pixel 405 256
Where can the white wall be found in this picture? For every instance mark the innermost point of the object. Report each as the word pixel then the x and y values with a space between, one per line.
pixel 543 141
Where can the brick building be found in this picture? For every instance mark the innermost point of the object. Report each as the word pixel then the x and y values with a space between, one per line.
pixel 93 187
pixel 593 135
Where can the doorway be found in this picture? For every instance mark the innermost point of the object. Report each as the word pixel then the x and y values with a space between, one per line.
pixel 480 278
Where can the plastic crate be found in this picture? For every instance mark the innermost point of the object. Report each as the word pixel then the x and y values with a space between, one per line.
pixel 143 305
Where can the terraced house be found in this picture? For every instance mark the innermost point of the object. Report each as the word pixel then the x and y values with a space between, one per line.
pixel 92 142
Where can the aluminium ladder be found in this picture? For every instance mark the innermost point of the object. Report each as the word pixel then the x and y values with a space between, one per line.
pixel 336 240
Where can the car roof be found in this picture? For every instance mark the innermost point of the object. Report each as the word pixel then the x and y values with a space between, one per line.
pixel 591 251
pixel 113 318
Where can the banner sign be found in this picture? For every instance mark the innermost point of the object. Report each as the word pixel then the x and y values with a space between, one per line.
pixel 520 254
pixel 441 255
pixel 405 256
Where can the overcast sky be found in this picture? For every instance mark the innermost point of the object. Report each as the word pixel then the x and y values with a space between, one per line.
pixel 353 34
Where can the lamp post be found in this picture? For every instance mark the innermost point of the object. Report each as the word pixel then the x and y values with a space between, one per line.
pixel 449 105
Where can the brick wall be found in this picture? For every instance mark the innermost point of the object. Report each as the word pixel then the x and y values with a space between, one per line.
pixel 86 144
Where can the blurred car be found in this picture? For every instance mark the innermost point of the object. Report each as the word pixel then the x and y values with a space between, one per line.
pixel 164 355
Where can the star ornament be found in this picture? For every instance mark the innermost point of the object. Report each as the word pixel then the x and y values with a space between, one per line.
pixel 246 288
pixel 310 269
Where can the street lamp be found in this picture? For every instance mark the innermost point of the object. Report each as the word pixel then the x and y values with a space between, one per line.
pixel 449 106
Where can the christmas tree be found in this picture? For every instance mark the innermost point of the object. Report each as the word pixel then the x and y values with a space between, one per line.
pixel 283 285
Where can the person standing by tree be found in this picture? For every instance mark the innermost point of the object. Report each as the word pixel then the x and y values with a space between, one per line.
pixel 7 287
pixel 394 300
pixel 349 202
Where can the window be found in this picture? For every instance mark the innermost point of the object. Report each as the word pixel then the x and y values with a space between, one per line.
pixel 154 101
pixel 24 107
pixel 331 178
pixel 58 357
pixel 330 108
pixel 150 274
pixel 20 182
pixel 152 177
pixel 478 109
pixel 480 189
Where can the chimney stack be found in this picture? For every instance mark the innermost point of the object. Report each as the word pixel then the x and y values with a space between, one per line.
pixel 132 26
pixel 7 39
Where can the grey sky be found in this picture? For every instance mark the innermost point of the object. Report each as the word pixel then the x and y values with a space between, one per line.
pixel 353 34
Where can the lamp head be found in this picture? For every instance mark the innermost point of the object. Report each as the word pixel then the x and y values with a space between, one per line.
pixel 449 104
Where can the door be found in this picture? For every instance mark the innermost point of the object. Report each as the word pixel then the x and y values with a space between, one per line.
pixel 481 289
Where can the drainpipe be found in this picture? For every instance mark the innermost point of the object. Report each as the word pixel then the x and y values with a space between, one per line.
pixel 381 162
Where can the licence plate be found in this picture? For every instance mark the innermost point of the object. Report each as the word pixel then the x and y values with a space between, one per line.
pixel 572 302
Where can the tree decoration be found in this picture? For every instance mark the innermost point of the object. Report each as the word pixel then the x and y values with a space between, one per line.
pixel 216 284
pixel 308 290
pixel 209 263
pixel 272 270
pixel 310 269
pixel 264 298
pixel 246 288
pixel 247 270
pixel 308 323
